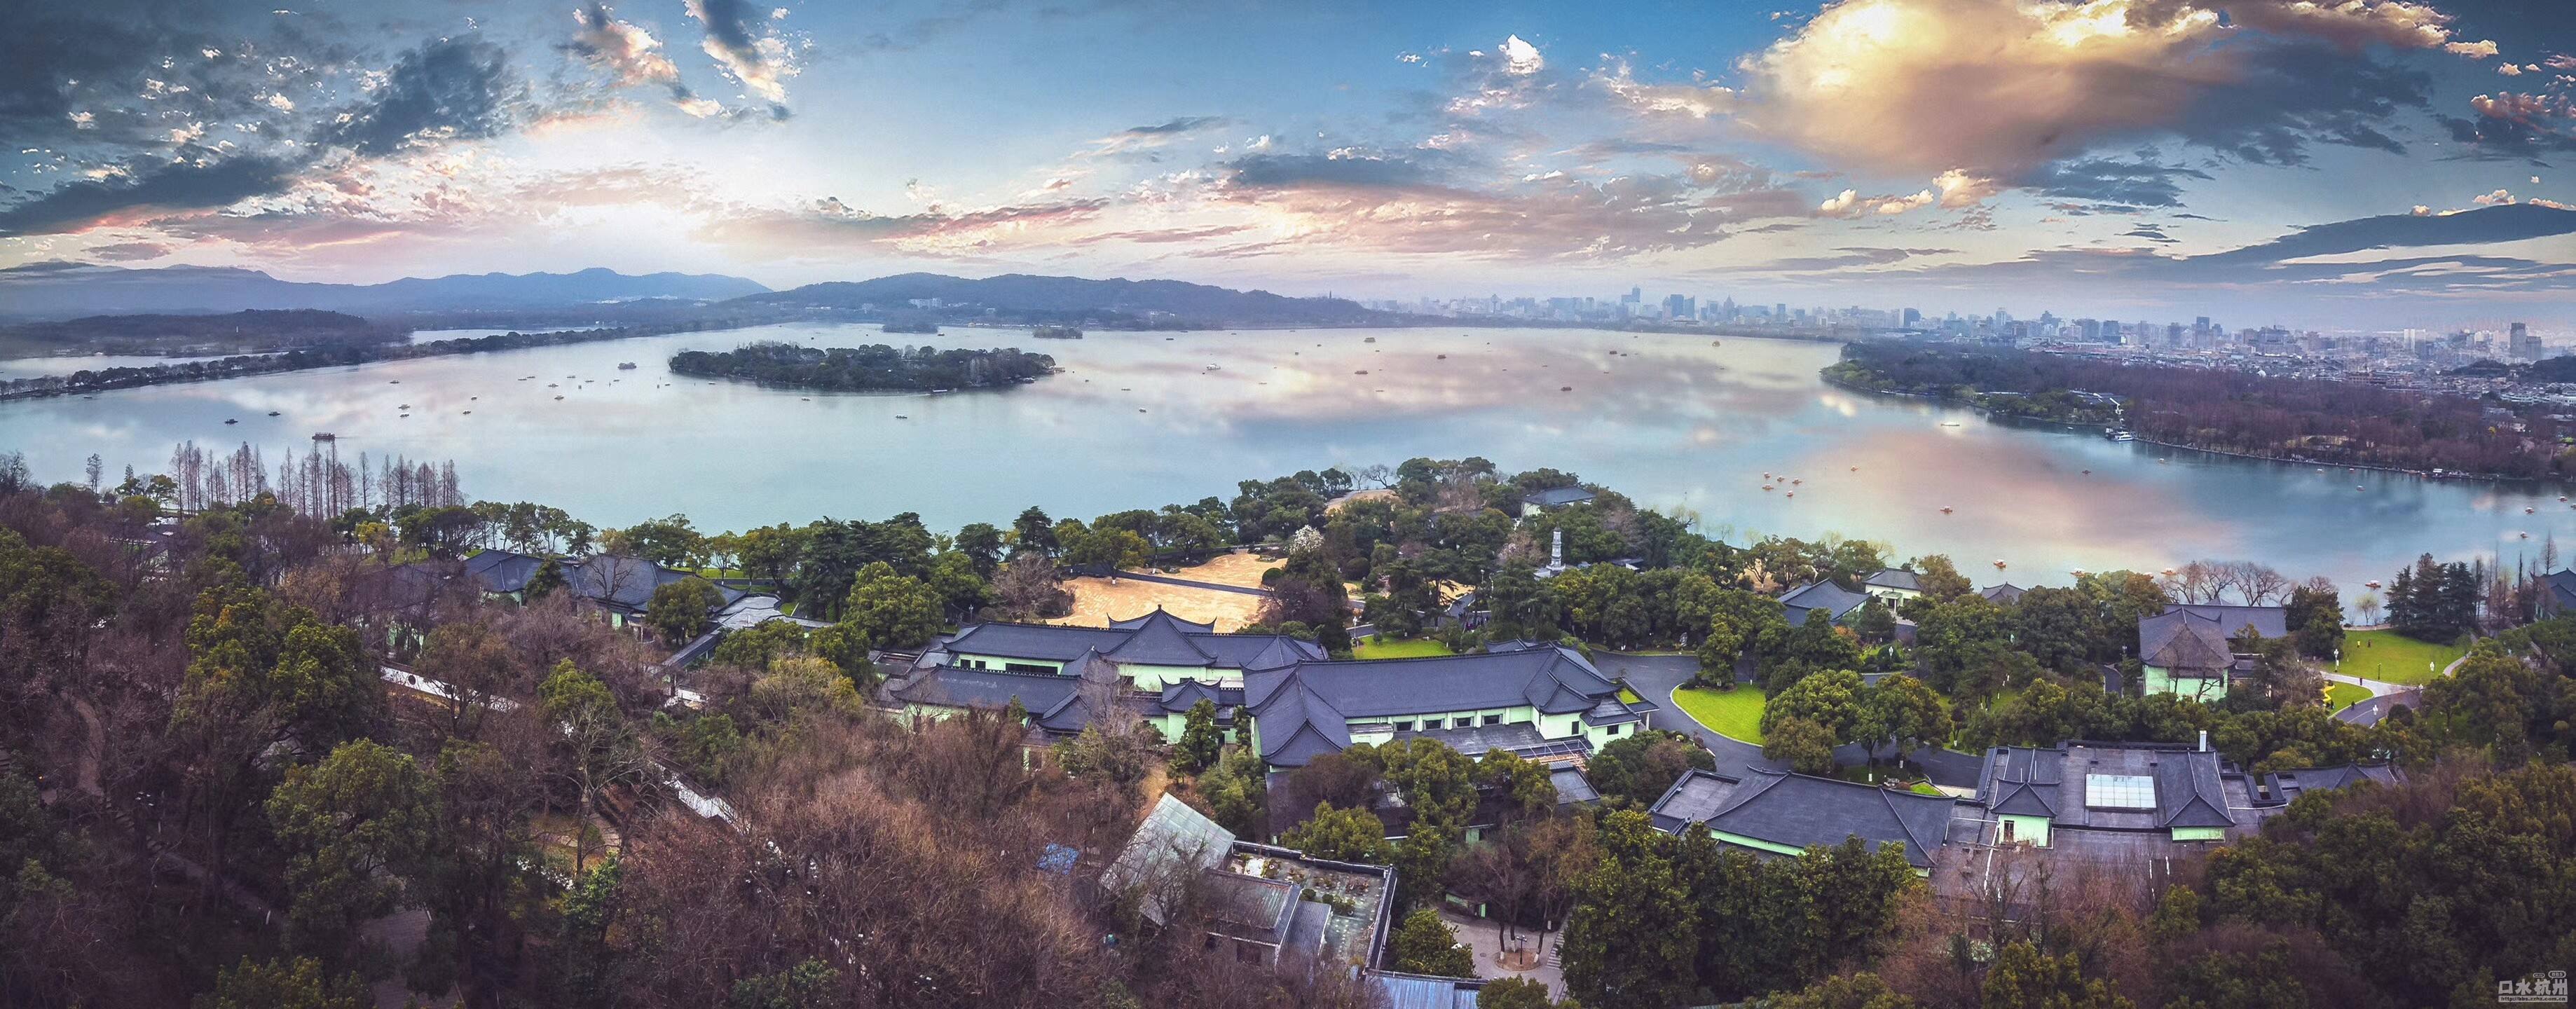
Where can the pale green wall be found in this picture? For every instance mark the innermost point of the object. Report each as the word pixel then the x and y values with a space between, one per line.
pixel 2159 680
pixel 2032 830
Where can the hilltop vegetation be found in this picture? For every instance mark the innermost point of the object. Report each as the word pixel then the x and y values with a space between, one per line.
pixel 2221 410
pixel 872 368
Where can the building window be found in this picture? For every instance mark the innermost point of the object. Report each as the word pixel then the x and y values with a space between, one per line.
pixel 1431 723
pixel 1404 726
pixel 1493 719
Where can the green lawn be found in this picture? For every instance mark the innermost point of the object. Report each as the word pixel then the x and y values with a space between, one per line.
pixel 1375 648
pixel 2344 695
pixel 2391 657
pixel 1735 714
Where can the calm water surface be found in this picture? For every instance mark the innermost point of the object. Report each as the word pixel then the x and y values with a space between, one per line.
pixel 1139 420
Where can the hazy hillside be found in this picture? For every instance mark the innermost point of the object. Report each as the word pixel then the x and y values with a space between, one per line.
pixel 1072 299
pixel 66 290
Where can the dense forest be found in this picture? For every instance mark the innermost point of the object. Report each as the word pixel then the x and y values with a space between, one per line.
pixel 2306 420
pixel 303 359
pixel 210 798
pixel 253 331
pixel 872 368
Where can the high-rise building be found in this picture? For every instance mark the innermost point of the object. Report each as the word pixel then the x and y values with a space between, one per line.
pixel 1679 306
pixel 2521 344
pixel 1634 296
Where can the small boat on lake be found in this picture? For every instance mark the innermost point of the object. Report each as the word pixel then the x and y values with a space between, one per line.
pixel 229 420
pixel 626 366
pixel 272 413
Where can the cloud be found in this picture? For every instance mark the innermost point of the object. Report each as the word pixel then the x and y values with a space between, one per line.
pixel 1521 59
pixel 1177 125
pixel 828 225
pixel 451 89
pixel 1692 101
pixel 2327 261
pixel 744 43
pixel 2110 181
pixel 1851 256
pixel 127 252
pixel 145 193
pixel 632 57
pixel 1951 190
pixel 1287 171
pixel 2002 87
pixel 2515 125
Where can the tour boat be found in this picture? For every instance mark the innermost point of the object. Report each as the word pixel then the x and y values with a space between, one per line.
pixel 272 413
pixel 2370 585
pixel 1945 509
pixel 1999 565
pixel 229 420
pixel 2356 487
pixel 1445 357
pixel 901 417
pixel 2526 535
pixel 1793 493
pixel 626 366
pixel 558 397
pixel 1565 388
pixel 1856 469
pixel 1766 486
pixel 2526 511
pixel 1799 481
pixel 325 436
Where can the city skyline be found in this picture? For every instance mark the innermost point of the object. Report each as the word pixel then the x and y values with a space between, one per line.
pixel 2368 163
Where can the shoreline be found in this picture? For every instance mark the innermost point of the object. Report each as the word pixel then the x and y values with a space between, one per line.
pixel 1991 414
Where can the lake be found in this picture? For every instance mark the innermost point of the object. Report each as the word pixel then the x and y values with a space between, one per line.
pixel 1142 420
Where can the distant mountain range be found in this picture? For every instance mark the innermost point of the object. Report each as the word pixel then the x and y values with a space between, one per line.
pixel 67 290
pixel 1024 297
pixel 55 291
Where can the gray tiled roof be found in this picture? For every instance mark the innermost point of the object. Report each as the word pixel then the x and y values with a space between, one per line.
pixel 949 686
pixel 1423 991
pixel 2179 640
pixel 1161 640
pixel 1557 497
pixel 1328 696
pixel 1571 786
pixel 1895 578
pixel 2287 786
pixel 2005 594
pixel 1174 839
pixel 1192 626
pixel 2196 637
pixel 1834 599
pixel 1157 639
pixel 502 570
pixel 1798 811
pixel 2188 792
pixel 2052 781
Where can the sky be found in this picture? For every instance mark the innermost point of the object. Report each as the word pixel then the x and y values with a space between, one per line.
pixel 2318 163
